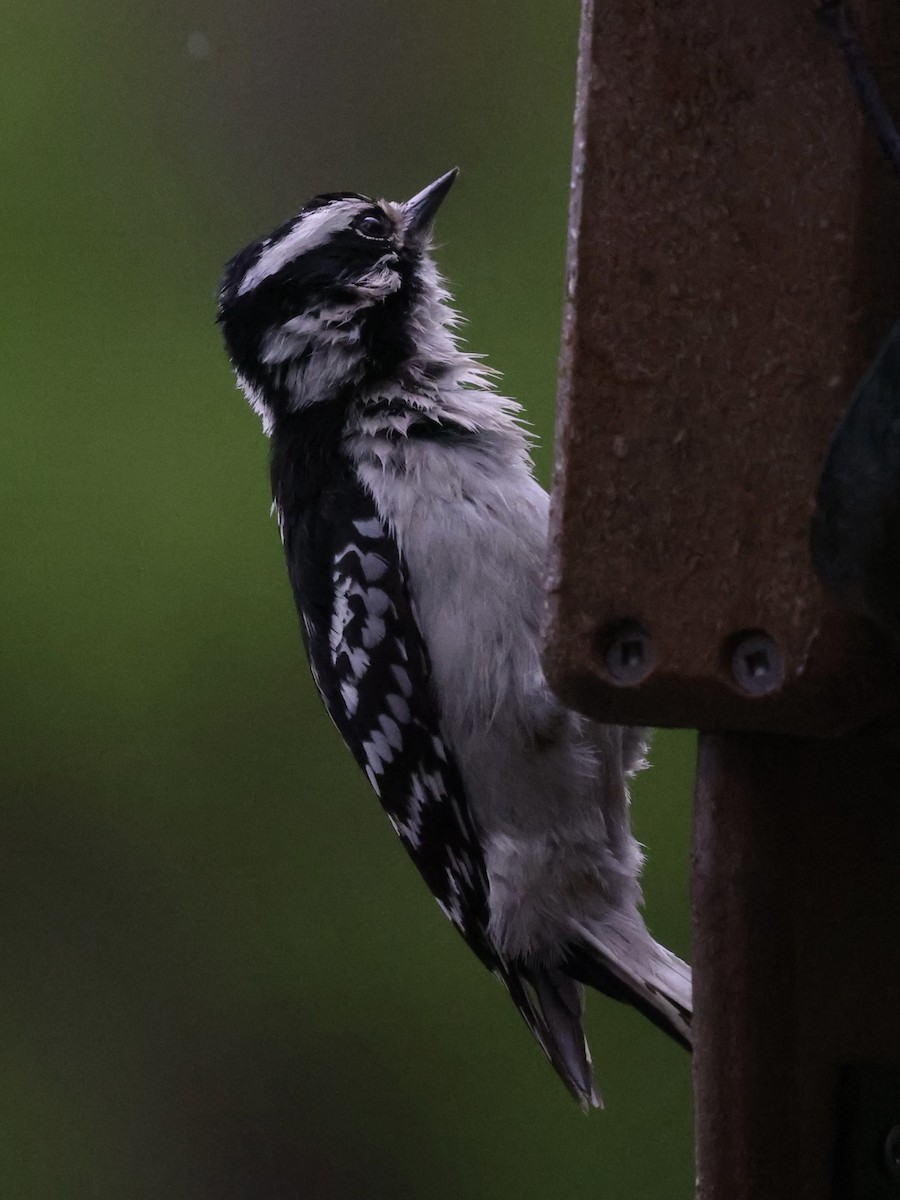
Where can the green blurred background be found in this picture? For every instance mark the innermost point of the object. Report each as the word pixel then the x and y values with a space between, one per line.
pixel 219 975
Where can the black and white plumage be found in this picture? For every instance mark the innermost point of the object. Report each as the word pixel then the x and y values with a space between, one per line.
pixel 415 534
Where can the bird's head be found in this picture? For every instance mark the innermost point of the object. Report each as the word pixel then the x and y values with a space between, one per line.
pixel 328 301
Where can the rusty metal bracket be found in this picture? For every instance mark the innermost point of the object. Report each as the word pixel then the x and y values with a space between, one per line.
pixel 734 237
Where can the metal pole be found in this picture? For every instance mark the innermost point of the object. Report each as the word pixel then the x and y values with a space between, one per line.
pixel 797 967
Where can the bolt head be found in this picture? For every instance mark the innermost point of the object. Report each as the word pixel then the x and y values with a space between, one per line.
pixel 627 652
pixel 756 663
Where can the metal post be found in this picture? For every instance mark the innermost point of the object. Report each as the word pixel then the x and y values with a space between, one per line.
pixel 797 966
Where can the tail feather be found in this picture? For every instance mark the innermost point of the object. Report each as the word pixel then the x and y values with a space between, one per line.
pixel 624 962
pixel 551 1005
pixel 617 958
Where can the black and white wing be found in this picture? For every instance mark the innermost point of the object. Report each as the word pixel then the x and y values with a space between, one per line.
pixel 371 667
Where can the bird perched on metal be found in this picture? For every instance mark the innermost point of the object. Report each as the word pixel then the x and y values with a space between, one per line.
pixel 414 532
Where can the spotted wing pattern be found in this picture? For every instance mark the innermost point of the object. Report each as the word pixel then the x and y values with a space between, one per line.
pixel 371 668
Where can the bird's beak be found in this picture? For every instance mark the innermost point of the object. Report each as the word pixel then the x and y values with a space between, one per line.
pixel 422 208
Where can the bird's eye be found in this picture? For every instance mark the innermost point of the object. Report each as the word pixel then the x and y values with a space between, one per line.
pixel 373 225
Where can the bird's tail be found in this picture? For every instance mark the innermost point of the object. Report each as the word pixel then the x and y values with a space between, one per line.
pixel 551 1003
pixel 621 959
pixel 618 958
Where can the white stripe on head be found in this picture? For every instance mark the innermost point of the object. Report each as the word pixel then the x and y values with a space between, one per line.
pixel 311 230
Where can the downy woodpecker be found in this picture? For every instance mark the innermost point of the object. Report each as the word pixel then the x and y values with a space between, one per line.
pixel 415 532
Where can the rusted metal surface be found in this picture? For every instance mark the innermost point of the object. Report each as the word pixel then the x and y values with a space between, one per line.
pixel 796 965
pixel 733 268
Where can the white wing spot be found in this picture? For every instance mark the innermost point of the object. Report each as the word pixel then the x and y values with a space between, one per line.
pixel 378 751
pixel 373 566
pixel 454 904
pixel 411 828
pixel 358 660
pixel 341 616
pixel 399 708
pixel 373 632
pixel 374 600
pixel 391 731
pixel 372 528
pixel 403 680
pixel 460 867
pixel 377 602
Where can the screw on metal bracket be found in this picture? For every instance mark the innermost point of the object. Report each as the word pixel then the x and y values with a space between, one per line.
pixel 755 662
pixel 892 1153
pixel 627 652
